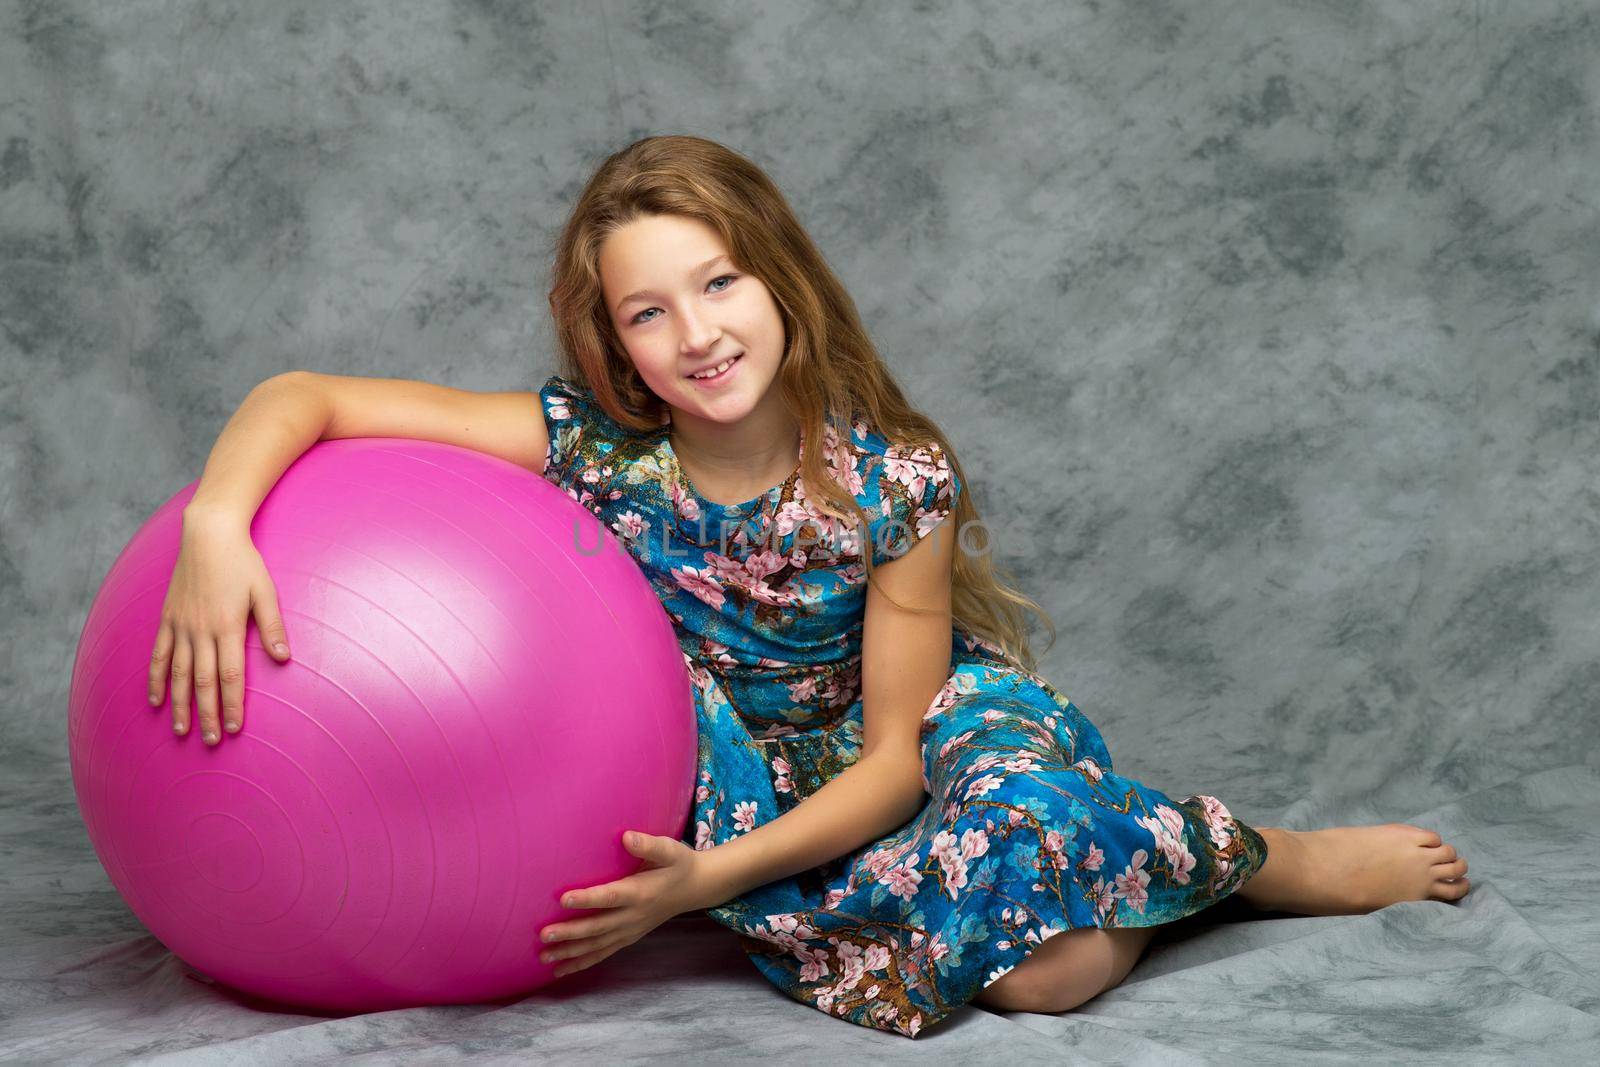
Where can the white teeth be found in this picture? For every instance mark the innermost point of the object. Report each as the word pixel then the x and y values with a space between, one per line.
pixel 714 371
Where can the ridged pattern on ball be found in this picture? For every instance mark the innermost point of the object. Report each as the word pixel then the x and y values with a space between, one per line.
pixel 480 700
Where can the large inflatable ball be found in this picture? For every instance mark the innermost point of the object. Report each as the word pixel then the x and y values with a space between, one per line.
pixel 483 694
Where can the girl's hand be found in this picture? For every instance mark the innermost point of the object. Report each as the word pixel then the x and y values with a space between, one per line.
pixel 218 580
pixel 676 880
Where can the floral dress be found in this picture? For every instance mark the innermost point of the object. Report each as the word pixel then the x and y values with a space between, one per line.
pixel 1026 832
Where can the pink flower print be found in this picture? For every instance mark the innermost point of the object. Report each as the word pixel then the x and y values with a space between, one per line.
pixel 955 687
pixel 937 949
pixel 1090 768
pixel 904 470
pixel 791 516
pixel 816 964
pixel 999 973
pixel 850 540
pixel 832 899
pixel 984 762
pixel 700 794
pixel 903 881
pixel 744 815
pixel 987 784
pixel 852 963
pixel 760 564
pixel 1182 861
pixel 791 925
pixel 764 593
pixel 630 525
pixel 727 569
pixel 591 475
pixel 803 690
pixel 1218 820
pixel 558 410
pixel 684 503
pixel 1093 858
pixel 1170 819
pixel 1103 896
pixel 959 739
pixel 872 991
pixel 718 654
pixel 701 583
pixel 702 836
pixel 1055 845
pixel 974 843
pixel 798 559
pixel 927 520
pixel 1021 763
pixel 1131 882
pixel 877 958
pixel 992 714
pixel 1167 829
pixel 781 783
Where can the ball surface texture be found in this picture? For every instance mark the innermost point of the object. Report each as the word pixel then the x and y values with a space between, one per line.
pixel 483 693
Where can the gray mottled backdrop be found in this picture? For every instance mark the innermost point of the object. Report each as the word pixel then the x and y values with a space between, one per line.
pixel 1268 335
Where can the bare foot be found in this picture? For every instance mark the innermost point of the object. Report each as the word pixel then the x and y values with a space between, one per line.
pixel 1351 870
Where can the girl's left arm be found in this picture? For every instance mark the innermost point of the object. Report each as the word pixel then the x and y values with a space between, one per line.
pixel 905 661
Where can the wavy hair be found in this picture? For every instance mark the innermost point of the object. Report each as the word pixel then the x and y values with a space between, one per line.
pixel 830 372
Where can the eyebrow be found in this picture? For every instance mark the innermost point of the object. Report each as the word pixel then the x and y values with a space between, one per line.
pixel 640 294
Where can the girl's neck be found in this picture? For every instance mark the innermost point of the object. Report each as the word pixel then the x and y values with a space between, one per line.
pixel 761 450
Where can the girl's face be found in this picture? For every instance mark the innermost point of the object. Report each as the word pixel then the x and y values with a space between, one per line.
pixel 680 305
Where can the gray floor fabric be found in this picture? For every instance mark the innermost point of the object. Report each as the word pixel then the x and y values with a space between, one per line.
pixel 1508 975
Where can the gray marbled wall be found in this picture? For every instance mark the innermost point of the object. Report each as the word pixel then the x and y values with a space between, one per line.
pixel 1267 332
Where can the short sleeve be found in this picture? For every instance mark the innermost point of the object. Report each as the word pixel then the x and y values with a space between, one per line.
pixel 576 428
pixel 918 491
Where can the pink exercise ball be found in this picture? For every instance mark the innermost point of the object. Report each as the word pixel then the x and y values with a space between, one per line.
pixel 483 694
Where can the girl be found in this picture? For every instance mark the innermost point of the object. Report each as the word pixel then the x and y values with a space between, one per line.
pixel 893 811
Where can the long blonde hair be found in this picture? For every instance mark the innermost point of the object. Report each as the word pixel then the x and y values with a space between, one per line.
pixel 830 370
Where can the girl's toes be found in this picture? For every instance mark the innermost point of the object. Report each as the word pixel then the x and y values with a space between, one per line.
pixel 1450 870
pixel 1430 838
pixel 1452 890
pixel 1443 853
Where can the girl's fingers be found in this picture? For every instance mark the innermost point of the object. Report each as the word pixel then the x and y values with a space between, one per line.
pixel 205 686
pixel 182 664
pixel 578 929
pixel 586 946
pixel 580 954
pixel 159 658
pixel 230 672
pixel 584 962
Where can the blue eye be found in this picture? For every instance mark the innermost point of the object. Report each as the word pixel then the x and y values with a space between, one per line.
pixel 713 281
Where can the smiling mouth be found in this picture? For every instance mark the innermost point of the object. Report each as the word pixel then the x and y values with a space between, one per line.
pixel 718 371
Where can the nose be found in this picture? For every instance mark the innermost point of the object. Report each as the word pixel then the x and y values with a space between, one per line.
pixel 700 335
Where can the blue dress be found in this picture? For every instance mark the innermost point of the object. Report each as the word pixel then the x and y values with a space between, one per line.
pixel 1026 832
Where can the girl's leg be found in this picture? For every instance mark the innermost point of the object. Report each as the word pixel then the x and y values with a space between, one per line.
pixel 1070 968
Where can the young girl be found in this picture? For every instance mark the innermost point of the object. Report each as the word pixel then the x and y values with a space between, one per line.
pixel 893 811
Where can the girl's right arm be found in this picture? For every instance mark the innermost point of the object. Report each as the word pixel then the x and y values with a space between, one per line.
pixel 219 579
